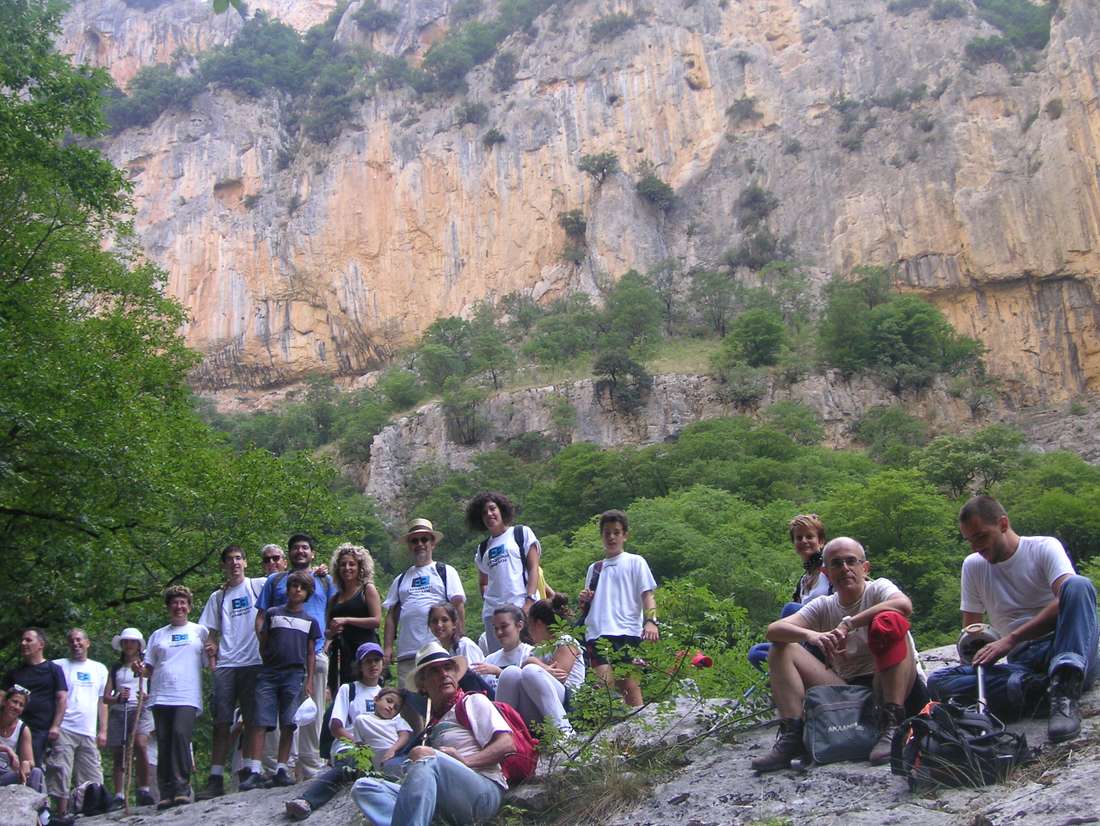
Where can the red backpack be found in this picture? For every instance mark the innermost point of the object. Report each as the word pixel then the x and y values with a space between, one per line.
pixel 520 764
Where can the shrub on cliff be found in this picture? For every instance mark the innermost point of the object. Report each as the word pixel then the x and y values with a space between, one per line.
pixel 599 165
pixel 611 26
pixel 652 189
pixel 622 383
pixel 153 90
pixel 372 18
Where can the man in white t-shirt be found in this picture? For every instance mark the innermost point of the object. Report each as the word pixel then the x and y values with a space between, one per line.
pixel 75 755
pixel 863 630
pixel 457 776
pixel 233 649
pixel 413 593
pixel 1044 614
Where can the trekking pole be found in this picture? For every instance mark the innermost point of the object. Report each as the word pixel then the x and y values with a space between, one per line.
pixel 983 706
pixel 128 754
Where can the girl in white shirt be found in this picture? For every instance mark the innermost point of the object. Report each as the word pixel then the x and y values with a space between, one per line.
pixel 384 730
pixel 534 685
pixel 443 622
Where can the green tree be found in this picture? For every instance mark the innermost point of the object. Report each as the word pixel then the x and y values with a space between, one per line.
pixel 663 278
pixel 599 165
pixel 631 319
pixel 490 354
pixel 796 420
pixel 651 188
pixel 891 434
pixel 461 403
pixel 713 294
pixel 400 388
pixel 981 460
pixel 565 331
pixel 757 337
pixel 623 381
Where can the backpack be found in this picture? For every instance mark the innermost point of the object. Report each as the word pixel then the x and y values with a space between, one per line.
pixel 89 799
pixel 520 764
pixel 949 745
pixel 517 537
pixel 440 568
pixel 841 723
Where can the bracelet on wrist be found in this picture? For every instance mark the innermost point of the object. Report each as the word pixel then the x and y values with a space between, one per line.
pixel 650 619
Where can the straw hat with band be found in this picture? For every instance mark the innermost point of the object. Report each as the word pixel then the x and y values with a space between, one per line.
pixel 419 526
pixel 430 654
pixel 127 634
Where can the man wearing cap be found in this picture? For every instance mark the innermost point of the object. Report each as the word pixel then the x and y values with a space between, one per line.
pixel 233 649
pixel 863 630
pixel 49 692
pixel 413 593
pixel 1043 613
pixel 457 776
pixel 316 606
pixel 75 754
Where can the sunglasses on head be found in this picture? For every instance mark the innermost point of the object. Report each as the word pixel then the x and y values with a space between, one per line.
pixel 18 689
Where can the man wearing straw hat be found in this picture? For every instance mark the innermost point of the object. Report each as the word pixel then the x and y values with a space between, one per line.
pixel 413 593
pixel 457 776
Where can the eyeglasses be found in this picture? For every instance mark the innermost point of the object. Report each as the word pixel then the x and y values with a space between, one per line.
pixel 272 558
pixel 838 562
pixel 18 689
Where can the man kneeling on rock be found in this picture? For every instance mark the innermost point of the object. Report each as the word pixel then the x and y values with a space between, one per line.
pixel 863 629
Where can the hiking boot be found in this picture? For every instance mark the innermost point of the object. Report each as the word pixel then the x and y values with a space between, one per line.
pixel 117 802
pixel 165 803
pixel 298 809
pixel 890 716
pixel 145 797
pixel 788 746
pixel 183 796
pixel 255 780
pixel 280 779
pixel 215 787
pixel 1065 717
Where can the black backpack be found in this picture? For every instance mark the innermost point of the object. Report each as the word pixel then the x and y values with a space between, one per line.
pixel 951 745
pixel 517 537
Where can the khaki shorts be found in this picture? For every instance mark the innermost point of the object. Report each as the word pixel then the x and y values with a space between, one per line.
pixel 73 759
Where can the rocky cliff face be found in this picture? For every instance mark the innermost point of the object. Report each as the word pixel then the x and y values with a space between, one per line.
pixel 985 198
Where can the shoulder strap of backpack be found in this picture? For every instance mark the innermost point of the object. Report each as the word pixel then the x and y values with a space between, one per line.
pixel 595 575
pixel 397 590
pixel 441 569
pixel 517 537
pixel 481 548
pixel 351 692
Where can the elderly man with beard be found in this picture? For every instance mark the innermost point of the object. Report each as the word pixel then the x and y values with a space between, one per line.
pixel 863 630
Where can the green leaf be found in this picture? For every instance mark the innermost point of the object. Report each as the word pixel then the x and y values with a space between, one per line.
pixel 221 5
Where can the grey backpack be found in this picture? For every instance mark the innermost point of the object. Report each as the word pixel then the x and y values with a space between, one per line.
pixel 841 723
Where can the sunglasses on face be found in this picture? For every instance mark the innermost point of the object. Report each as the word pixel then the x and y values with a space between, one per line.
pixel 272 558
pixel 420 540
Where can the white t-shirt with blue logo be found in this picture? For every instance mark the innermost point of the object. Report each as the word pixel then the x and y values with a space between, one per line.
pixel 238 645
pixel 502 564
pixel 420 589
pixel 86 682
pixel 176 655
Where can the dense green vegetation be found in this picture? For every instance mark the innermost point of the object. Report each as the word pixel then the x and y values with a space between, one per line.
pixel 111 486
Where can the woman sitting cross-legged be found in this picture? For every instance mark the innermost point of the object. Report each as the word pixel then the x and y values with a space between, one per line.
pixel 16 756
pixel 536 686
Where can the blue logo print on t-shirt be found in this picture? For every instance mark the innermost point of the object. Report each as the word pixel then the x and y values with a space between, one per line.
pixel 421 583
pixel 370 706
pixel 497 555
pixel 240 604
pixel 178 638
pixel 83 677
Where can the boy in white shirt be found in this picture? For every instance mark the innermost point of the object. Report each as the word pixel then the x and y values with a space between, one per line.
pixel 619 604
pixel 384 730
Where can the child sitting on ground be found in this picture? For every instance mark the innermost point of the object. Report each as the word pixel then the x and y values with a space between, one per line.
pixel 385 731
pixel 618 598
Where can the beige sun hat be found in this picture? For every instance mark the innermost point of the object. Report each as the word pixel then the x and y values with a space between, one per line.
pixel 127 634
pixel 430 654
pixel 418 526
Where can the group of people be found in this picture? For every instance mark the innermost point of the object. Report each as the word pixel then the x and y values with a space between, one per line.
pixel 299 658
pixel 845 627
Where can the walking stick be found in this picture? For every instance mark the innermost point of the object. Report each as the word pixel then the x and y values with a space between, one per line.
pixel 128 755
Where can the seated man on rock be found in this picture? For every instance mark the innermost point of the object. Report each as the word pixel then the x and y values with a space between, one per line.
pixel 863 630
pixel 1044 614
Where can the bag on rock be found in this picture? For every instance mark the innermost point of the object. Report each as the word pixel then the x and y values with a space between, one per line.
pixel 841 723
pixel 949 745
pixel 89 799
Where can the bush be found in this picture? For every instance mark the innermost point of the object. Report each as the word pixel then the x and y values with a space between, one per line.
pixel 795 420
pixel 891 435
pixel 573 222
pixel 266 54
pixel 756 337
pixel 906 6
pixel 465 10
pixel 653 189
pixel 758 250
pixel 743 109
pixel 461 403
pixel 153 90
pixel 943 9
pixel 492 138
pixel 743 385
pixel 1023 23
pixel 567 329
pixel 471 112
pixel 504 71
pixel 600 165
pixel 611 26
pixel 574 254
pixel 400 388
pixel 1053 108
pixel 990 50
pixel 754 205
pixel 623 381
pixel 792 146
pixel 371 18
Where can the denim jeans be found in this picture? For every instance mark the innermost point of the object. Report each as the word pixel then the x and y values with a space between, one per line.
pixel 438 785
pixel 1072 644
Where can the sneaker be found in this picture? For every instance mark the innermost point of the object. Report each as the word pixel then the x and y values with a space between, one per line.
pixel 298 809
pixel 117 802
pixel 255 780
pixel 891 716
pixel 182 798
pixel 145 797
pixel 281 779
pixel 242 775
pixel 1065 717
pixel 788 746
pixel 215 787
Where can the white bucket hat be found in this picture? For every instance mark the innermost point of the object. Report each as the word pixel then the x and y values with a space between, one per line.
pixel 127 634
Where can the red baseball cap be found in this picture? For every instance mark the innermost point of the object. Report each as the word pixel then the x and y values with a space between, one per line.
pixel 888 639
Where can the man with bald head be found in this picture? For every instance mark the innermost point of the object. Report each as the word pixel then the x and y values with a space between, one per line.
pixel 863 630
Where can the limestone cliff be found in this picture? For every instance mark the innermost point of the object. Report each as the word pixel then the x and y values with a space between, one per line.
pixel 984 196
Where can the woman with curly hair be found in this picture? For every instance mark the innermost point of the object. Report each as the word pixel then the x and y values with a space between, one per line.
pixel 354 614
pixel 507 560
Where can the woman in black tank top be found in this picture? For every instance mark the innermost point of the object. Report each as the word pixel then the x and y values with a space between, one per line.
pixel 354 614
